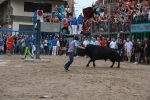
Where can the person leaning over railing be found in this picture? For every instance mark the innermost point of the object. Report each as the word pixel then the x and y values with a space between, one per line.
pixel 128 23
pixel 56 19
pixel 65 23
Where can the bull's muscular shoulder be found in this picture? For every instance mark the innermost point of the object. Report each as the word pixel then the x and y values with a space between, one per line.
pixel 95 48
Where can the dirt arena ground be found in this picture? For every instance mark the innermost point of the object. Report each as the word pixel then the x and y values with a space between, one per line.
pixel 21 80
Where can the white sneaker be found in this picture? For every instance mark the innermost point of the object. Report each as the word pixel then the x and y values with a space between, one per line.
pixel 135 63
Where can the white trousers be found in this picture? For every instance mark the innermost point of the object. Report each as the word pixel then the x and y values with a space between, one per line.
pixel 33 49
pixel 74 29
pixel 54 51
pixel 80 29
pixel 57 49
pixel 70 29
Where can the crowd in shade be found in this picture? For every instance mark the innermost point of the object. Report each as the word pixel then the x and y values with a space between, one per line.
pixel 121 16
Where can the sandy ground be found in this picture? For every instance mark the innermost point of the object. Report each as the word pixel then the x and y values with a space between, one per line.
pixel 21 80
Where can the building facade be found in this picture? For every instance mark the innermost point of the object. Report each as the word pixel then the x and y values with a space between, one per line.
pixel 20 13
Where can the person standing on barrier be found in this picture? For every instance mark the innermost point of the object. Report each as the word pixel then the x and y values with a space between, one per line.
pixel 54 43
pixel 1 45
pixel 64 43
pixel 71 51
pixel 113 44
pixel 45 45
pixel 147 52
pixel 80 23
pixel 15 44
pixel 5 43
pixel 73 24
pixel 50 46
pixel 27 47
pixel 128 48
pixel 136 52
pixel 57 46
pixel 10 43
pixel 33 44
pixel 120 47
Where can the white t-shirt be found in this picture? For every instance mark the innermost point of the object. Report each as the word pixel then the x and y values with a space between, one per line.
pixel 41 46
pixel 149 15
pixel 34 48
pixel 112 44
pixel 45 42
pixel 67 9
pixel 85 42
pixel 129 46
pixel 58 43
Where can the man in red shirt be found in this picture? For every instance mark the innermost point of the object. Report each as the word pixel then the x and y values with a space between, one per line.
pixel 102 42
pixel 65 23
pixel 10 45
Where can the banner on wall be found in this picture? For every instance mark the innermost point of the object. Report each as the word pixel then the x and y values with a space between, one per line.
pixel 140 27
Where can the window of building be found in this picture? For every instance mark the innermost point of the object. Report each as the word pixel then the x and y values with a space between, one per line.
pixel 30 7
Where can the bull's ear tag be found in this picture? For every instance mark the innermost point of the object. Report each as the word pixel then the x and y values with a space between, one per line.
pixel 85 46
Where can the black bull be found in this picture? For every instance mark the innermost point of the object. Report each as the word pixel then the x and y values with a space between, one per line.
pixel 99 52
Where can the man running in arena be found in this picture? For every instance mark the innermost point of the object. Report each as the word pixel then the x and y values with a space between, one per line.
pixel 71 50
pixel 10 45
pixel 27 47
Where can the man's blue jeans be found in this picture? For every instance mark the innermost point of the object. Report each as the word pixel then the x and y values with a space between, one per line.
pixel 71 58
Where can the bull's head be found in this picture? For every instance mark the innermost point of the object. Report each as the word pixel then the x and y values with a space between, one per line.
pixel 82 52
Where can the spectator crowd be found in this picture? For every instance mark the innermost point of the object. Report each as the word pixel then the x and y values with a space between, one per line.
pixel 136 51
pixel 120 17
pixel 48 46
pixel 72 25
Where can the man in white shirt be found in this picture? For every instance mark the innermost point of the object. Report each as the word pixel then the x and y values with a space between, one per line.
pixel 149 14
pixel 85 42
pixel 113 44
pixel 128 48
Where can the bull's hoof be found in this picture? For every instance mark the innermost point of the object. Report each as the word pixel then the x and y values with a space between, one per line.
pixel 111 66
pixel 87 65
pixel 94 66
pixel 118 67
